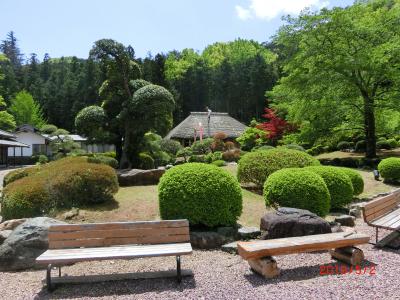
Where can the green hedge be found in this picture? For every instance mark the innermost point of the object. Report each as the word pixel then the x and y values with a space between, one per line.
pixel 18 174
pixel 100 159
pixel 389 169
pixel 299 188
pixel 66 182
pixel 356 180
pixel 256 166
pixel 204 194
pixel 218 163
pixel 338 183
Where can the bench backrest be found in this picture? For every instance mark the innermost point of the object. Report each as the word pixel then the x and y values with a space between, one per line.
pixel 120 233
pixel 381 206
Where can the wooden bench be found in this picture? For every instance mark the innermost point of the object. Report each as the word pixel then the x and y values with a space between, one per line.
pixel 383 212
pixel 74 243
pixel 259 253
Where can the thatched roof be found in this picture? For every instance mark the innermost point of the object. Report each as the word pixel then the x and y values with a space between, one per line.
pixel 219 122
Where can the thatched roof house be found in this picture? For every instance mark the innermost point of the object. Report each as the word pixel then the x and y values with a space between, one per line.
pixel 219 122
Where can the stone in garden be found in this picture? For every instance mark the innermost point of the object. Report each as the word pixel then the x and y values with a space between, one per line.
pixel 11 224
pixel 227 231
pixel 246 233
pixel 208 239
pixel 230 247
pixel 4 234
pixel 345 220
pixel 140 177
pixel 25 244
pixel 289 222
pixel 335 227
pixel 71 214
pixel 355 212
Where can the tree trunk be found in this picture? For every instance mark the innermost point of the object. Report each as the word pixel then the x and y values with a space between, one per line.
pixel 369 127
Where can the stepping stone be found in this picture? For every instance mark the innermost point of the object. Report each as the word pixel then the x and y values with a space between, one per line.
pixel 345 220
pixel 230 247
pixel 246 233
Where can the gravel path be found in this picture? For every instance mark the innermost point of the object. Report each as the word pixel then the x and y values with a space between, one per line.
pixel 219 275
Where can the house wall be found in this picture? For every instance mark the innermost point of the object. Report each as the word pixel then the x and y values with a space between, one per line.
pixel 29 138
pixel 97 148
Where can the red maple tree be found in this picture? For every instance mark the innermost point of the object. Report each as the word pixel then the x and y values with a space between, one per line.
pixel 275 126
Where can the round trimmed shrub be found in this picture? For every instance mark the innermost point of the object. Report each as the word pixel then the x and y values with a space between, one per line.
pixel 101 159
pixel 204 194
pixel 299 188
pixel 256 166
pixel 392 143
pixel 389 168
pixel 218 163
pixel 197 158
pixel 146 161
pixel 383 144
pixel 360 146
pixel 338 183
pixel 67 182
pixel 262 148
pixel 170 146
pixel 356 180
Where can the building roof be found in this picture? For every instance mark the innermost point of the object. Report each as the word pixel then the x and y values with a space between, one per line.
pixel 13 144
pixel 219 122
pixel 74 137
pixel 6 134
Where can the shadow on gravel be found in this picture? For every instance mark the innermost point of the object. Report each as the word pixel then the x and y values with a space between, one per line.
pixel 117 288
pixel 309 272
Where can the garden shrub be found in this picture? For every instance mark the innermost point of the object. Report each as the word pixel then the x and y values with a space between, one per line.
pixel 343 145
pixel 356 180
pixel 185 153
pixel 203 194
pixel 100 159
pixel 202 147
pixel 146 161
pixel 360 146
pixel 18 174
pixel 231 155
pixel 42 159
pixel 383 144
pixel 170 146
pixel 389 169
pixel 213 156
pixel 299 188
pixel 256 166
pixel 338 183
pixel 230 145
pixel 218 163
pixel 67 182
pixel 392 143
pixel 112 154
pixel 294 147
pixel 197 158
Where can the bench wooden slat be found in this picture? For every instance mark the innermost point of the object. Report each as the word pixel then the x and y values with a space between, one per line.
pixel 120 225
pixel 116 233
pixel 392 221
pixel 102 242
pixel 381 206
pixel 378 201
pixel 380 213
pixel 60 256
pixel 385 218
pixel 256 249
pixel 396 225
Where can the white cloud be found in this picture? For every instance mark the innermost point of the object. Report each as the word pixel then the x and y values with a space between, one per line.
pixel 243 13
pixel 269 9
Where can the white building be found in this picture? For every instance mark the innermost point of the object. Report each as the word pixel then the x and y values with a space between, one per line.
pixel 40 143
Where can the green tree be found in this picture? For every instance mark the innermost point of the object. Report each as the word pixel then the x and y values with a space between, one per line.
pixel 26 111
pixel 341 65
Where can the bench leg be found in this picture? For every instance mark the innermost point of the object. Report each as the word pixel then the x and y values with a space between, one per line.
pixel 178 269
pixel 50 286
pixel 59 271
pixel 350 255
pixel 376 236
pixel 265 266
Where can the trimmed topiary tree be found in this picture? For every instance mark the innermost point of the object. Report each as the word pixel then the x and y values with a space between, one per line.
pixel 204 194
pixel 298 188
pixel 389 168
pixel 338 183
pixel 356 180
pixel 256 166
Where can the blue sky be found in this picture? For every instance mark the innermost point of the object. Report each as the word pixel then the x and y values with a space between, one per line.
pixel 69 27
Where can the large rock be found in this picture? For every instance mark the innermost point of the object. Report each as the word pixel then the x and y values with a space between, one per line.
pixel 139 177
pixel 25 244
pixel 11 224
pixel 345 220
pixel 288 222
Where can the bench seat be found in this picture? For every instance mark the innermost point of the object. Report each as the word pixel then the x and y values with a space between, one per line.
pixel 390 221
pixel 310 243
pixel 65 256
